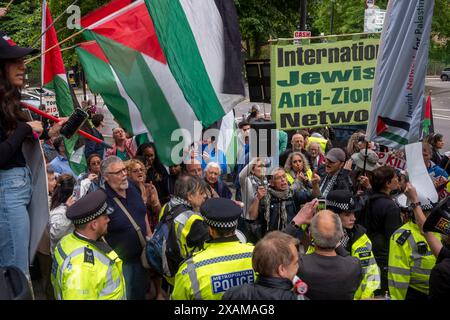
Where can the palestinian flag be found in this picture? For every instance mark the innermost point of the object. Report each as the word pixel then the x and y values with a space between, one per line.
pixel 54 77
pixel 427 122
pixel 103 12
pixel 103 80
pixel 388 128
pixel 173 107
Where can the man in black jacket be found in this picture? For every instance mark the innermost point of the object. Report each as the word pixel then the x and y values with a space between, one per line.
pixel 275 259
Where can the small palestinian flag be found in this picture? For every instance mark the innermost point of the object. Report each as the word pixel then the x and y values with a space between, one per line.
pixel 394 130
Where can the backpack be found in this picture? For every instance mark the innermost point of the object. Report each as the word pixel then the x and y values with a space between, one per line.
pixel 162 250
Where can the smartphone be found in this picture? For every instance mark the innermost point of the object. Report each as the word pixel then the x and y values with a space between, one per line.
pixel 322 205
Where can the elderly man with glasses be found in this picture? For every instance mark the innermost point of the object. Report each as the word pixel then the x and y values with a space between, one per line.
pixel 129 211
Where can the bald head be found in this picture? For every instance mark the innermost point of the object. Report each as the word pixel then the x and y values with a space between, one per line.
pixel 326 229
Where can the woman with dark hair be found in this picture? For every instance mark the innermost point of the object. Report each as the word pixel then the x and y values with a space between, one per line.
pixel 436 140
pixel 61 200
pixel 89 181
pixel 15 176
pixel 156 172
pixel 382 217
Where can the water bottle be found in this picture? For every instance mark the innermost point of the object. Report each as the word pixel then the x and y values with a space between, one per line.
pixel 387 296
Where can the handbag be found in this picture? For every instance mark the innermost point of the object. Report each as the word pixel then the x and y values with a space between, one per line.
pixel 138 231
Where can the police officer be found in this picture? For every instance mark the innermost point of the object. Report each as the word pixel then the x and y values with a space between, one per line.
pixel 355 240
pixel 85 268
pixel 223 263
pixel 410 260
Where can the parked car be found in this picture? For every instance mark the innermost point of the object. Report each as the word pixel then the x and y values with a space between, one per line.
pixel 31 99
pixel 37 91
pixel 445 74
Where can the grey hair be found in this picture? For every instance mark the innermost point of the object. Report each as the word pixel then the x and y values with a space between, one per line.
pixel 326 240
pixel 188 184
pixel 308 148
pixel 104 165
pixel 213 165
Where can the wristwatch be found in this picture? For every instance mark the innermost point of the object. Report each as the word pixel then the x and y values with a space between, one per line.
pixel 414 205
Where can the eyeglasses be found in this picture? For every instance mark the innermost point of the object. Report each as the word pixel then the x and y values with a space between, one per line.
pixel 94 163
pixel 122 171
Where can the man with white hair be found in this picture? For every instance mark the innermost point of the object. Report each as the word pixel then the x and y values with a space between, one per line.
pixel 345 278
pixel 212 178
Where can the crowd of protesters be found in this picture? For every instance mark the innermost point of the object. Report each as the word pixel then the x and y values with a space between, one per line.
pixel 366 244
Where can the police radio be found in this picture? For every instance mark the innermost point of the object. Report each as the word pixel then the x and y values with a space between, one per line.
pixel 75 121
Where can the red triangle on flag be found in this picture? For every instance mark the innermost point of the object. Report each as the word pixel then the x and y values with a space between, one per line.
pixel 103 12
pixel 93 48
pixel 135 21
pixel 53 62
pixel 381 126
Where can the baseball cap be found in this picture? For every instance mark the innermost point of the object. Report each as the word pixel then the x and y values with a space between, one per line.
pixel 336 154
pixel 10 50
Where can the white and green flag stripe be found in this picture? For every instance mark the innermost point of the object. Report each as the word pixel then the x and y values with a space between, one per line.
pixel 176 89
pixel 103 80
pixel 54 77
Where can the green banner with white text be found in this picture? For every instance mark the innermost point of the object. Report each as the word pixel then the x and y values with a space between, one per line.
pixel 322 84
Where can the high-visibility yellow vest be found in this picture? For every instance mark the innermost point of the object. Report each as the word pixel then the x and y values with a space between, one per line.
pixel 321 141
pixel 212 271
pixel 290 179
pixel 410 261
pixel 362 249
pixel 80 271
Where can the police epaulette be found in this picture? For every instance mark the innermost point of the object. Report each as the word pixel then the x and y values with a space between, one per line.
pixel 88 255
pixel 403 237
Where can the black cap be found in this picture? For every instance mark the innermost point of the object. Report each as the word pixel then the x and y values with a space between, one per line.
pixel 439 218
pixel 340 201
pixel 10 50
pixel 88 208
pixel 220 212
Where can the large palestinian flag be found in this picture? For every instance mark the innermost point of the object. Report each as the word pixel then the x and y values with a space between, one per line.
pixel 54 77
pixel 174 101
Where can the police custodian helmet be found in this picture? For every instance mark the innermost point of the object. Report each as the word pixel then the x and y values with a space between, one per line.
pixel 88 208
pixel 220 213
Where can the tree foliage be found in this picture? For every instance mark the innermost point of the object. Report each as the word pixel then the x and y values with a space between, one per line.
pixel 259 21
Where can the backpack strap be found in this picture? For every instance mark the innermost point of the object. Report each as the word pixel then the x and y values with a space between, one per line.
pixel 135 225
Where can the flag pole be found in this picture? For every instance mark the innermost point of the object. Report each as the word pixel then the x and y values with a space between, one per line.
pixel 365 159
pixel 51 25
pixel 56 45
pixel 50 117
pixel 10 3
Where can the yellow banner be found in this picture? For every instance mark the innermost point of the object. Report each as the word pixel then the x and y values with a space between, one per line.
pixel 322 84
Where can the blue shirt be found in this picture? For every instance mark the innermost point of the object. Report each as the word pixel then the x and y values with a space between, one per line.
pixel 61 165
pixel 122 236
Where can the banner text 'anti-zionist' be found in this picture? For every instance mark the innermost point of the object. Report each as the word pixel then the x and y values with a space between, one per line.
pixel 323 84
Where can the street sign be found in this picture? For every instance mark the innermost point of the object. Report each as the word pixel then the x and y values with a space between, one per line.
pixel 301 34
